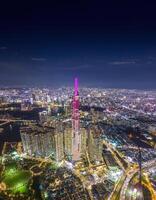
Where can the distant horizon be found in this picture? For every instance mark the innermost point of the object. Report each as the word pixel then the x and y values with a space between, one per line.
pixel 71 86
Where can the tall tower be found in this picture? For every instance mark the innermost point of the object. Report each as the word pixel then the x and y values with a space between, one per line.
pixel 76 137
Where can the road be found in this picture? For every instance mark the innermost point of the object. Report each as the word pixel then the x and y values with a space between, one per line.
pixel 117 156
pixel 130 174
pixel 119 192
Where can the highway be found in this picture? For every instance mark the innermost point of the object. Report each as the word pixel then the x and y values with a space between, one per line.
pixel 116 155
pixel 121 187
pixel 130 174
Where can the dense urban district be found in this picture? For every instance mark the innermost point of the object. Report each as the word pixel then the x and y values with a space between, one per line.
pixel 77 144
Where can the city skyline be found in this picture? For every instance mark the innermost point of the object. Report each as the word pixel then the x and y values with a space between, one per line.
pixel 85 144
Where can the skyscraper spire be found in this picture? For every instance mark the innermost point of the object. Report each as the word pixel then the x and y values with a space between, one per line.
pixel 76 87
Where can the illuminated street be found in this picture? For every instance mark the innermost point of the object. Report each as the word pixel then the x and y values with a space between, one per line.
pixel 96 147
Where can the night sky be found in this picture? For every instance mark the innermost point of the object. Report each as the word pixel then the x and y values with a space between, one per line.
pixel 109 44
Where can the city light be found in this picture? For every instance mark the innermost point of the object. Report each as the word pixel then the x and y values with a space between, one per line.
pixel 81 141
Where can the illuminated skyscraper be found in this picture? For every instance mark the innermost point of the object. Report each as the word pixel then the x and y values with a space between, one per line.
pixel 76 146
pixel 38 141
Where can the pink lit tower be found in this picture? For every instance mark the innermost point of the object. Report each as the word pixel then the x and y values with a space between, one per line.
pixel 76 142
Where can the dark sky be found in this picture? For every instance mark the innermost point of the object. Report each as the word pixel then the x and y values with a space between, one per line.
pixel 104 43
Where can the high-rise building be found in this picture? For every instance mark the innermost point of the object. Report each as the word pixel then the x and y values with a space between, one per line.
pixel 59 145
pixel 84 139
pixel 68 141
pixel 43 116
pixel 76 141
pixel 48 98
pixel 94 146
pixel 38 141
